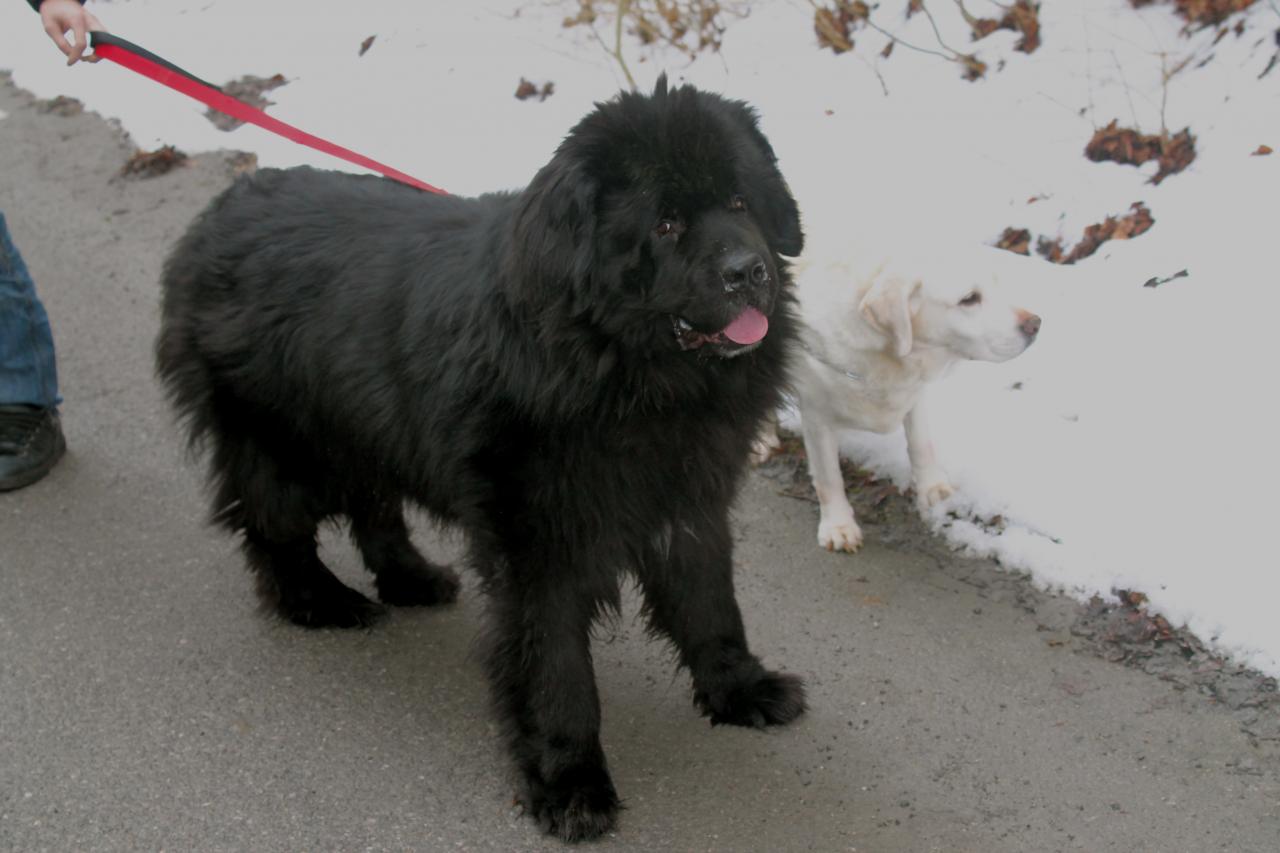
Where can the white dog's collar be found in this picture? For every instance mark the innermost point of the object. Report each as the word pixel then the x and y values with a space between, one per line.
pixel 823 361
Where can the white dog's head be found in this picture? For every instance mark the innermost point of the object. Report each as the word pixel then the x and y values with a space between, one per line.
pixel 947 310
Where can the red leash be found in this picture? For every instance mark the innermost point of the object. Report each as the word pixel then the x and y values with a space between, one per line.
pixel 149 65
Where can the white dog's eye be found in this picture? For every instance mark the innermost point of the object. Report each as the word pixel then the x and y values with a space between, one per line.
pixel 737 203
pixel 973 298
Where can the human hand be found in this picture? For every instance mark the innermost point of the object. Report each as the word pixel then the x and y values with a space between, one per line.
pixel 61 16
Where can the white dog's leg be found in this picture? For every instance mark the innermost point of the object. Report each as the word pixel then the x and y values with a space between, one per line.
pixel 767 442
pixel 932 486
pixel 837 531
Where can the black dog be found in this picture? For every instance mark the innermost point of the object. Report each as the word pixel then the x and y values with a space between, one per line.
pixel 572 374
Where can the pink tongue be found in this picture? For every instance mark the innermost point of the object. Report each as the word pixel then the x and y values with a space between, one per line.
pixel 749 327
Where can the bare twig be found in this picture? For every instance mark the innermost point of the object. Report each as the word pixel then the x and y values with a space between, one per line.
pixel 1165 74
pixel 1128 92
pixel 953 57
pixel 908 45
pixel 876 71
pixel 689 26
pixel 623 7
pixel 937 33
pixel 615 52
pixel 974 68
pixel 964 13
pixel 1088 68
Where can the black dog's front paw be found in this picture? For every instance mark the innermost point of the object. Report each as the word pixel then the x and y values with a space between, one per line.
pixel 418 585
pixel 764 699
pixel 327 605
pixel 579 805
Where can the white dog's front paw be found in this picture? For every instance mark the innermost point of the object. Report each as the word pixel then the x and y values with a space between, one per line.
pixel 932 494
pixel 840 535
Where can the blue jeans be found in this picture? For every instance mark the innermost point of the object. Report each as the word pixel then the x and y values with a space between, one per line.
pixel 28 371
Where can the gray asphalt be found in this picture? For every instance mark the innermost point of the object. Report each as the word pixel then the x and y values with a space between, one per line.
pixel 145 704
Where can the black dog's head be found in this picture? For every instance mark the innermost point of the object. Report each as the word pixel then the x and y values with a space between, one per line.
pixel 660 221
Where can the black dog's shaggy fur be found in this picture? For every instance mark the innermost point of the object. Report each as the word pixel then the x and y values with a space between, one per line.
pixel 555 371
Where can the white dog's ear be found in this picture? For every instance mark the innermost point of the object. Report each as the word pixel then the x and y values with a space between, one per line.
pixel 888 307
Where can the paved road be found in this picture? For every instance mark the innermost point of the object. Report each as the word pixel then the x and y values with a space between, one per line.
pixel 146 705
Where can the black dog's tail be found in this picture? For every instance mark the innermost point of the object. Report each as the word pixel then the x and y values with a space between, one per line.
pixel 190 277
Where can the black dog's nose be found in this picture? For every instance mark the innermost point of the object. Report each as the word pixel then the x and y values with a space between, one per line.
pixel 741 269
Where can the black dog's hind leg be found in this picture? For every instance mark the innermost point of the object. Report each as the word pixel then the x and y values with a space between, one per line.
pixel 278 516
pixel 688 587
pixel 544 685
pixel 402 575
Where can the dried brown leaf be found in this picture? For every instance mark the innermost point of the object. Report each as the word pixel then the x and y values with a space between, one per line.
pixel 1124 145
pixel 974 68
pixel 831 31
pixel 1201 13
pixel 1022 17
pixel 248 89
pixel 835 24
pixel 61 105
pixel 150 164
pixel 527 89
pixel 1132 224
pixel 689 26
pixel 1016 240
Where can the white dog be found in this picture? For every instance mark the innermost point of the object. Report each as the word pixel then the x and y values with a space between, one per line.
pixel 876 336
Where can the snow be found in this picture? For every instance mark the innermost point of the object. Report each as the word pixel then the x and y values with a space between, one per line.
pixel 1137 451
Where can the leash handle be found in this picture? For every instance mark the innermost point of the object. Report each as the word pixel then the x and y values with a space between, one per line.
pixel 146 63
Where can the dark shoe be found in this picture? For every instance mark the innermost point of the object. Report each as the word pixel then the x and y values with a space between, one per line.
pixel 31 443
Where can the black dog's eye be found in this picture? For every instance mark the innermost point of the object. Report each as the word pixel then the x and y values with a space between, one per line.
pixel 667 228
pixel 974 298
pixel 737 203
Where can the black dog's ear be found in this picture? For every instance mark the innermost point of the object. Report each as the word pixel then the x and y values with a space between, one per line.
pixel 783 220
pixel 780 214
pixel 554 235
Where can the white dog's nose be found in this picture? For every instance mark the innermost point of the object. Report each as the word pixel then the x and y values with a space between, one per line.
pixel 1029 324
